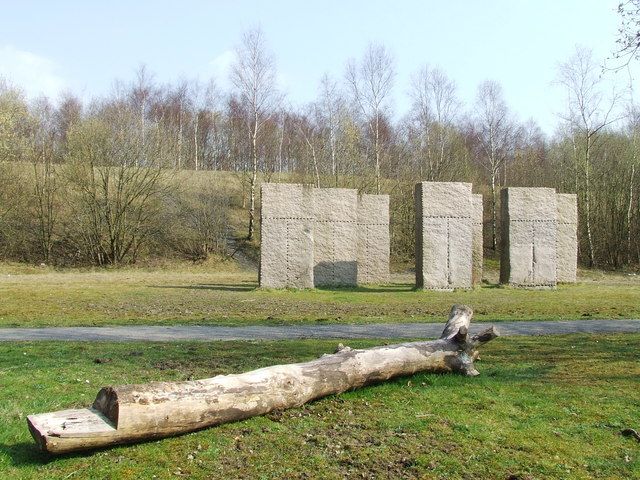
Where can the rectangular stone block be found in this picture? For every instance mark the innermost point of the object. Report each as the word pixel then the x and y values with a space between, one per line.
pixel 529 232
pixel 373 239
pixel 444 235
pixel 336 237
pixel 567 237
pixel 286 240
pixel 478 239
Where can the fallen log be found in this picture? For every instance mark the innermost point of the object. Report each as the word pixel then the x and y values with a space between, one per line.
pixel 133 413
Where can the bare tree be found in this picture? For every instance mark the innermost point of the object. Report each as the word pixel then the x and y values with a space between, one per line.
pixel 210 129
pixel 432 122
pixel 495 131
pixel 67 114
pixel 628 38
pixel 15 125
pixel 331 109
pixel 45 179
pixel 254 77
pixel 140 94
pixel 203 102
pixel 589 111
pixel 114 198
pixel 309 128
pixel 370 82
pixel 633 114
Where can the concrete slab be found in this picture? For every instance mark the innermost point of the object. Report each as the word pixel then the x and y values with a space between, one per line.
pixel 567 237
pixel 444 235
pixel 529 232
pixel 286 240
pixel 335 235
pixel 373 239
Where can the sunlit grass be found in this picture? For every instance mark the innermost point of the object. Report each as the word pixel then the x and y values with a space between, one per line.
pixel 544 407
pixel 222 294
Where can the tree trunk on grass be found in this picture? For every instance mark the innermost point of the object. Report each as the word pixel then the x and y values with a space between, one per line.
pixel 133 413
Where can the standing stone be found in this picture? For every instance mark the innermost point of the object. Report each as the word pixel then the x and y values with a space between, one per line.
pixel 567 237
pixel 478 240
pixel 336 237
pixel 373 239
pixel 528 256
pixel 286 240
pixel 444 235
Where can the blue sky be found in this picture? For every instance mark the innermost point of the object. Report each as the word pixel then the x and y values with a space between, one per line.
pixel 82 46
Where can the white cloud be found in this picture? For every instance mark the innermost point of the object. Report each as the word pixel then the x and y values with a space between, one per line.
pixel 220 67
pixel 283 81
pixel 32 73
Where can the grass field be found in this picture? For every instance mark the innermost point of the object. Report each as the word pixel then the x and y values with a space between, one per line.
pixel 225 295
pixel 544 407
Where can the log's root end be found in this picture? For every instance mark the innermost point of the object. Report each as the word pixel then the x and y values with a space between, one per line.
pixel 457 331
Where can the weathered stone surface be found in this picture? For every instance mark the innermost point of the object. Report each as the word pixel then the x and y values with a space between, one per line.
pixel 286 241
pixel 444 235
pixel 373 239
pixel 567 237
pixel 335 235
pixel 478 242
pixel 528 256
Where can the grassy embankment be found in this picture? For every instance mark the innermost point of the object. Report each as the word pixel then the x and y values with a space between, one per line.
pixel 222 294
pixel 545 407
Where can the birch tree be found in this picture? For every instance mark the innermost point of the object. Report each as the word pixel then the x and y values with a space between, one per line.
pixel 45 177
pixel 432 123
pixel 331 109
pixel 371 82
pixel 253 76
pixel 634 134
pixel 588 112
pixel 495 131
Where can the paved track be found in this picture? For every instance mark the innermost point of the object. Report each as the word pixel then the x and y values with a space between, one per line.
pixel 339 331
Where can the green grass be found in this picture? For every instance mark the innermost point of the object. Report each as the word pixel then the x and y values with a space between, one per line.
pixel 543 407
pixel 208 295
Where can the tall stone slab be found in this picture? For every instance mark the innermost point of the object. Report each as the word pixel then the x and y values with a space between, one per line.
pixel 373 239
pixel 529 233
pixel 286 240
pixel 478 239
pixel 567 237
pixel 336 237
pixel 444 235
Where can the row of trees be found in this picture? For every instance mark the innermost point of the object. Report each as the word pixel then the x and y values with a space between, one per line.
pixel 94 186
pixel 102 182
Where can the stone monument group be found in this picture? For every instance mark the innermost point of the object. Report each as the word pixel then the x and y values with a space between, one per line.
pixel 314 237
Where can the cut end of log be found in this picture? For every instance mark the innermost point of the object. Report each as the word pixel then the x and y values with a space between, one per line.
pixel 70 430
pixel 36 433
pixel 461 336
pixel 107 402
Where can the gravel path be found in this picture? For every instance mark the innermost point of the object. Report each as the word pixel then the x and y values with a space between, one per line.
pixel 389 330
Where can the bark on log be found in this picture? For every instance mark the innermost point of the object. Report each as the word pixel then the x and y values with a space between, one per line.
pixel 132 413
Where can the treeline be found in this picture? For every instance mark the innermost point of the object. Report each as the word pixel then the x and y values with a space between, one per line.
pixel 109 181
